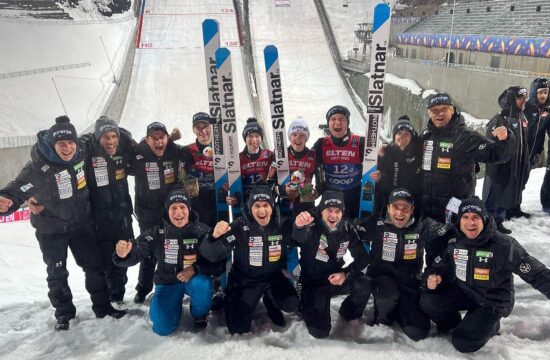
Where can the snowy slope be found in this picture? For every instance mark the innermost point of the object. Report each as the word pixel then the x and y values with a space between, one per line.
pixel 26 317
pixel 169 80
pixel 310 81
pixel 29 103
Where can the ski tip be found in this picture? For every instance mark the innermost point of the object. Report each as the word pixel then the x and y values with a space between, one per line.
pixel 210 28
pixel 271 54
pixel 221 55
pixel 381 15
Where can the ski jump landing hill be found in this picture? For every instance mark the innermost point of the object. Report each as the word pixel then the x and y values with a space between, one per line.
pixel 169 81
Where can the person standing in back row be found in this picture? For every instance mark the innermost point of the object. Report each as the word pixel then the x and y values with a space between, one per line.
pixel 340 160
pixel 54 180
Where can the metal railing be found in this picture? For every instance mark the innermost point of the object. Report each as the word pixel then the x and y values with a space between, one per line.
pixel 43 70
pixel 17 141
pixel 474 67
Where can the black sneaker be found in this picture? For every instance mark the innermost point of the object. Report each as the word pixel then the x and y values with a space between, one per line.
pixel 199 324
pixel 139 298
pixel 61 325
pixel 503 230
pixel 521 213
pixel 112 312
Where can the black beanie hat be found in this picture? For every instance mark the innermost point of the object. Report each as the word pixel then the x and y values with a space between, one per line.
pixel 156 126
pixel 201 117
pixel 177 196
pixel 252 126
pixel 473 205
pixel 332 198
pixel 62 130
pixel 103 125
pixel 404 123
pixel 338 109
pixel 260 193
pixel 401 194
pixel 441 98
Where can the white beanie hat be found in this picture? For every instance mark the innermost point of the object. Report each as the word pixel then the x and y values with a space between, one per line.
pixel 298 125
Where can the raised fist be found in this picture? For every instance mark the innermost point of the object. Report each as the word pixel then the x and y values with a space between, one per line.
pixel 5 204
pixel 123 248
pixel 304 218
pixel 220 229
pixel 500 133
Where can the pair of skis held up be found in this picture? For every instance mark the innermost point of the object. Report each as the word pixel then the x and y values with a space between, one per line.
pixel 222 108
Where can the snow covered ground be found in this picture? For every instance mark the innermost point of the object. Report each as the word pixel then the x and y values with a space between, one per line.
pixel 26 317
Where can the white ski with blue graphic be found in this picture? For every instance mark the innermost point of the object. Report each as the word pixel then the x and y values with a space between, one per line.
pixel 211 41
pixel 229 129
pixel 375 105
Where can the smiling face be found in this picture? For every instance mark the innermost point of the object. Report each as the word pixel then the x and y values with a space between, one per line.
pixel 471 225
pixel 298 141
pixel 178 214
pixel 338 125
pixel 403 139
pixel 109 142
pixel 441 115
pixel 331 216
pixel 157 141
pixel 65 149
pixel 261 211
pixel 400 212
pixel 203 132
pixel 253 142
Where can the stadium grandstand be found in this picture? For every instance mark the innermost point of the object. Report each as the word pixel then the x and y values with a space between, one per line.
pixel 503 34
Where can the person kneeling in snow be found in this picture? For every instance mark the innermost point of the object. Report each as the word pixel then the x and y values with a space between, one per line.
pixel 180 270
pixel 476 274
pixel 398 241
pixel 257 240
pixel 324 238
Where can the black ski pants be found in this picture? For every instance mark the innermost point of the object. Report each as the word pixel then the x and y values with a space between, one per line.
pixel 83 245
pixel 114 275
pixel 243 295
pixel 470 333
pixel 146 266
pixel 394 301
pixel 315 302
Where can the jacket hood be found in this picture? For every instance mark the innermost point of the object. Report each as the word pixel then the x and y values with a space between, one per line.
pixel 44 149
pixel 507 101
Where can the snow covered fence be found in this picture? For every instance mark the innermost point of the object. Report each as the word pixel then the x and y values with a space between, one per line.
pixel 44 70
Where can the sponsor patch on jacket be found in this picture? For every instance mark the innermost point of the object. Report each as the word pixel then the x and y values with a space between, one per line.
pixel 189 260
pixel 64 185
pixel 481 274
pixel 410 251
pixel 230 238
pixel 389 246
pixel 342 250
pixel 26 187
pixel 100 171
pixel 255 250
pixel 120 174
pixel 80 175
pixel 460 257
pixel 169 173
pixel 274 253
pixel 321 250
pixel 428 155
pixel 153 177
pixel 443 163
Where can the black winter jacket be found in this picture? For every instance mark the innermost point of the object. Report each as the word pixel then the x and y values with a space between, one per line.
pixel 155 178
pixel 399 253
pixel 322 251
pixel 449 160
pixel 505 181
pixel 483 268
pixel 538 120
pixel 174 249
pixel 58 185
pixel 108 183
pixel 400 169
pixel 258 252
